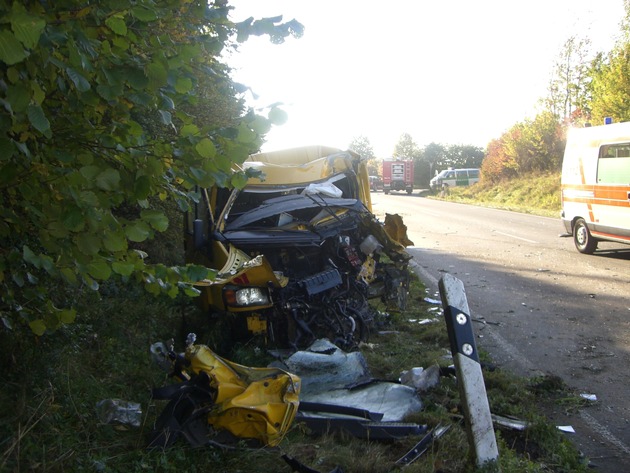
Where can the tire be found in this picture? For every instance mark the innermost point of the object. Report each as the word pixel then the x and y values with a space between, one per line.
pixel 584 241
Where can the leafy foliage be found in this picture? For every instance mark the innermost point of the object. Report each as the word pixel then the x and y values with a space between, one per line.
pixel 362 146
pixel 406 148
pixel 609 87
pixel 108 106
pixel 567 96
pixel 530 146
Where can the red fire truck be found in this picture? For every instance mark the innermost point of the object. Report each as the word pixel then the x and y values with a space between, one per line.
pixel 398 175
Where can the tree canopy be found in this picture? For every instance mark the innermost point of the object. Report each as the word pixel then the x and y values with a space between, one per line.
pixel 105 106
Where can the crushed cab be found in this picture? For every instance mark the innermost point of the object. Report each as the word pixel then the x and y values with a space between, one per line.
pixel 298 251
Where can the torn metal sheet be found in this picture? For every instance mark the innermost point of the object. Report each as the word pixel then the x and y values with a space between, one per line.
pixel 522 425
pixel 423 445
pixel 331 376
pixel 394 401
pixel 324 367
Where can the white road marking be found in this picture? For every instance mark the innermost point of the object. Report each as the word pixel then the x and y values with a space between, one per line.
pixel 514 236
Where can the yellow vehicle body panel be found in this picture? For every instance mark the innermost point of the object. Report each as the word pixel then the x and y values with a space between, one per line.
pixel 251 403
pixel 305 165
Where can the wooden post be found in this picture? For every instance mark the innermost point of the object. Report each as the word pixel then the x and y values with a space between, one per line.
pixel 472 389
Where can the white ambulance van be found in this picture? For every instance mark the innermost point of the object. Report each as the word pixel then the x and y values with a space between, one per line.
pixel 596 185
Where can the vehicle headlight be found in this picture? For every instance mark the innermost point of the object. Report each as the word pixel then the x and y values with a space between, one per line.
pixel 246 296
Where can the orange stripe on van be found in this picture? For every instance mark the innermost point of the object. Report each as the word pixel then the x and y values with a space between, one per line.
pixel 610 235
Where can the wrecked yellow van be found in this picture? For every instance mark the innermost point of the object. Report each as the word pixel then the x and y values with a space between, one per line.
pixel 300 252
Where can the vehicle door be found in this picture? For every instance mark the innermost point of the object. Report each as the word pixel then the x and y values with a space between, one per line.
pixel 611 206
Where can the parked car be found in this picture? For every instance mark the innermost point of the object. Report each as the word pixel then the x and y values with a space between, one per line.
pixel 454 178
pixel 376 183
pixel 298 251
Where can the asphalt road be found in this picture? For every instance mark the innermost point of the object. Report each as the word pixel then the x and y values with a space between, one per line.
pixel 548 309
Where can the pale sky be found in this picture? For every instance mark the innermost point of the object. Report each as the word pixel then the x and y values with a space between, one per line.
pixel 450 72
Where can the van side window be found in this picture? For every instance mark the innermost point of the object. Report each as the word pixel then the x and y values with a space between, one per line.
pixel 473 173
pixel 613 166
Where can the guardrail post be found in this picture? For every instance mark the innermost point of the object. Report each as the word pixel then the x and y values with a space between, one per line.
pixel 472 389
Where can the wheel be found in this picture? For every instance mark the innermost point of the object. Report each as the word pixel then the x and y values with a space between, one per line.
pixel 584 241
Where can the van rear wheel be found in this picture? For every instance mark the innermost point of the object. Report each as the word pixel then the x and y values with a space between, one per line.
pixel 584 241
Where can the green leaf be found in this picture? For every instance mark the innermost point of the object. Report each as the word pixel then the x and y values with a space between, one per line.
pixel 88 244
pixel 11 50
pixel 157 75
pixel 89 172
pixel 123 268
pixel 183 85
pixel 142 187
pixel 136 78
pixel 138 231
pixel 117 25
pixel 260 125
pixel 166 117
pixel 108 180
pixel 238 180
pixel 99 270
pixel 67 316
pixel 109 92
pixel 38 327
pixel 89 199
pixel 196 272
pixel 167 102
pixel 156 219
pixel 191 291
pixel 143 13
pixel 206 148
pixel 80 82
pixel 69 275
pixel 91 283
pixel 19 97
pixel 38 119
pixel 114 241
pixel 189 130
pixel 57 229
pixel 278 116
pixel 73 219
pixel 8 172
pixel 27 28
pixel 30 257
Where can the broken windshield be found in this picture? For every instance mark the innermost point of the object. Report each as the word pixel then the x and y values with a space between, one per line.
pixel 293 207
pixel 289 211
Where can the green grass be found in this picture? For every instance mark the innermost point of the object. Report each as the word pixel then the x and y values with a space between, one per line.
pixel 50 387
pixel 537 194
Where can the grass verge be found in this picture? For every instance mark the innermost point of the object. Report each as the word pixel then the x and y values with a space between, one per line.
pixel 50 387
pixel 537 194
